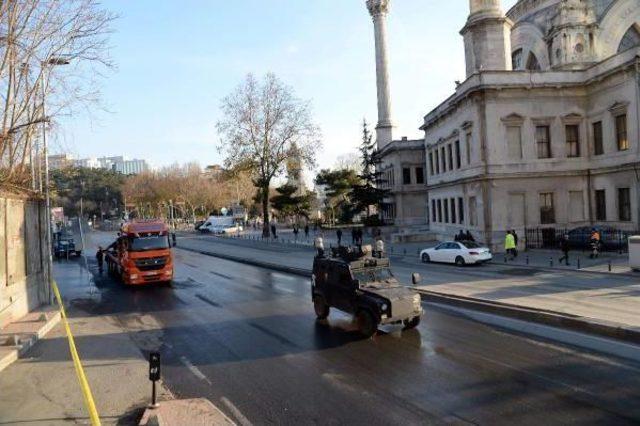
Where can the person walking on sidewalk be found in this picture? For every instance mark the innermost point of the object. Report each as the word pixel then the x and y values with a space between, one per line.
pixel 595 243
pixel 564 248
pixel 515 240
pixel 100 259
pixel 339 235
pixel 295 232
pixel 306 230
pixel 469 237
pixel 509 245
pixel 273 230
pixel 318 243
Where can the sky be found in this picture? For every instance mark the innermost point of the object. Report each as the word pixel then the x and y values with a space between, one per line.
pixel 177 60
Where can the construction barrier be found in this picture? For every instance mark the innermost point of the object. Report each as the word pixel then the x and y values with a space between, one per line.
pixel 84 384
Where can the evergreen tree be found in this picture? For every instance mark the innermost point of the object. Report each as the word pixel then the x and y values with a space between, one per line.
pixel 368 193
pixel 289 204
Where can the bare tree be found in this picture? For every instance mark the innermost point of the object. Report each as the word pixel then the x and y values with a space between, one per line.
pixel 35 36
pixel 263 125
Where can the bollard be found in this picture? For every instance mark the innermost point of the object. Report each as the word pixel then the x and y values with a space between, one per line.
pixel 505 259
pixel 609 266
pixel 551 262
pixel 578 260
pixel 527 260
pixel 154 376
pixel 405 252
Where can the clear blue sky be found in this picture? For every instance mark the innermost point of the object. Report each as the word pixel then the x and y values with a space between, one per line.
pixel 176 60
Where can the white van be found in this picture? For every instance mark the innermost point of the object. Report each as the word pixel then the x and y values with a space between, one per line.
pixel 220 225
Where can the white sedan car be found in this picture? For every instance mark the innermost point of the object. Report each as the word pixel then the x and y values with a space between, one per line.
pixel 460 253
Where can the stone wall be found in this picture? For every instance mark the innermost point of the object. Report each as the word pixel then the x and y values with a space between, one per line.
pixel 23 256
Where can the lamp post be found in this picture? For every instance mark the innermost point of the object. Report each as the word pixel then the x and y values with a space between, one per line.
pixel 53 61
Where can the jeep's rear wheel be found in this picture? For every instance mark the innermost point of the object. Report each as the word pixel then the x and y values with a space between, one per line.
pixel 321 307
pixel 367 324
pixel 411 323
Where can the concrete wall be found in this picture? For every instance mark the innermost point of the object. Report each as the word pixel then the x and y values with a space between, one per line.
pixel 22 257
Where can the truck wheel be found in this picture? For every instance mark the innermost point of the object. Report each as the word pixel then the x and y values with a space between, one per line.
pixel 321 307
pixel 366 323
pixel 411 323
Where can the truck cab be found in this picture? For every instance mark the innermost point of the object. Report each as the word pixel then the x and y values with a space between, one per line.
pixel 364 286
pixel 142 253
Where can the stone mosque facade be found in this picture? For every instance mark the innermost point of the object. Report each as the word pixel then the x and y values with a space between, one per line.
pixel 543 132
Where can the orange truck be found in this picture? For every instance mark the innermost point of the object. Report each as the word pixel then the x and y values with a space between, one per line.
pixel 142 253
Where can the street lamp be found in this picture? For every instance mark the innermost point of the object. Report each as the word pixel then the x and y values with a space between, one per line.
pixel 52 61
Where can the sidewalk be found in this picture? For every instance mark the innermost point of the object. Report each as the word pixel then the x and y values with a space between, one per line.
pixel 43 384
pixel 607 262
pixel 606 302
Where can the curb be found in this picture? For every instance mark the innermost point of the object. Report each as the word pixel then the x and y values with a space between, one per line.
pixel 540 316
pixel 10 354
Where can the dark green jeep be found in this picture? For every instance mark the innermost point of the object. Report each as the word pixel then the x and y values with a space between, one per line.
pixel 364 286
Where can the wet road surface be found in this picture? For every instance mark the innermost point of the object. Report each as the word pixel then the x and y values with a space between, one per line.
pixel 246 338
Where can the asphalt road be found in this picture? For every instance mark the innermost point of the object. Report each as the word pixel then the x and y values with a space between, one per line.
pixel 246 338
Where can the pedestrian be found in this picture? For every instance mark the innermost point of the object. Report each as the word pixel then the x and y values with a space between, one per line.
pixel 461 236
pixel 100 259
pixel 564 248
pixel 509 245
pixel 594 239
pixel 295 232
pixel 173 238
pixel 273 230
pixel 339 235
pixel 319 245
pixel 354 236
pixel 379 247
pixel 515 240
pixel 469 237
pixel 359 236
pixel 306 230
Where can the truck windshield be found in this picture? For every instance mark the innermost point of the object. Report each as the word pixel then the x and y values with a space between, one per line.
pixel 155 242
pixel 373 275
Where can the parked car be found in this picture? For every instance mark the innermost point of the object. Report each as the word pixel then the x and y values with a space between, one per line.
pixel 460 253
pixel 610 239
pixel 64 246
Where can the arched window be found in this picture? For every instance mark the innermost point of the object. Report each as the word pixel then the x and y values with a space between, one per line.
pixel 532 63
pixel 630 39
pixel 516 60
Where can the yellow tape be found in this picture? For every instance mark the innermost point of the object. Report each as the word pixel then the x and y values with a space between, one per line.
pixel 84 384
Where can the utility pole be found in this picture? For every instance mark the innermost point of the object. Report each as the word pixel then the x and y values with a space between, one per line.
pixel 45 151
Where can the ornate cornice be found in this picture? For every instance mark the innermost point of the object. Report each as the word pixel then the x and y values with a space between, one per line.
pixel 378 7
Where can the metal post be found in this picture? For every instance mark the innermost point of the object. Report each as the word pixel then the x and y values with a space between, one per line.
pixel 578 260
pixel 551 262
pixel 609 266
pixel 527 259
pixel 153 395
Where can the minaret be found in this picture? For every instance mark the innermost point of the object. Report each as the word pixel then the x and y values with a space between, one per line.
pixel 384 130
pixel 487 37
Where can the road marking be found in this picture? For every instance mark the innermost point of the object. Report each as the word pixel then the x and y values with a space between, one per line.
pixel 207 300
pixel 196 372
pixel 236 412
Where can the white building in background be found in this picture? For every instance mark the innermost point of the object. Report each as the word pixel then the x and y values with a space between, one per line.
pixel 544 130
pixel 120 164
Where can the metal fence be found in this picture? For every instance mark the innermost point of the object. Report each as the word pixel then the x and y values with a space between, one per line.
pixel 611 239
